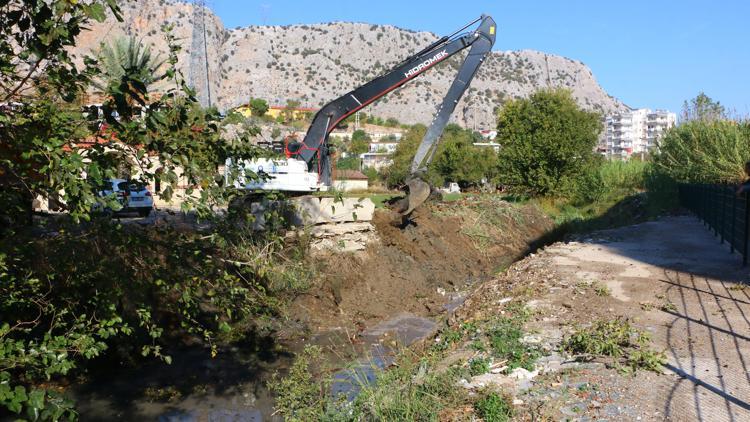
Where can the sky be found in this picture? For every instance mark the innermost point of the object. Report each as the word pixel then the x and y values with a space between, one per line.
pixel 653 54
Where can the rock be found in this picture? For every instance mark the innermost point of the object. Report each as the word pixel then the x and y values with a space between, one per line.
pixel 531 339
pixel 523 374
pixel 311 210
pixel 485 380
pixel 332 230
pixel 304 62
pixel 342 237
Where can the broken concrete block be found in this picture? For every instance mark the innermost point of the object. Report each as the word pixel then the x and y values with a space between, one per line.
pixel 347 209
pixel 311 210
pixel 331 230
pixel 306 210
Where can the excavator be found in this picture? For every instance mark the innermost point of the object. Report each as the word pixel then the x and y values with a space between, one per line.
pixel 308 166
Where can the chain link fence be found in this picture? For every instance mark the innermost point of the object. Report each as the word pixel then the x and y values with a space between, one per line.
pixel 724 212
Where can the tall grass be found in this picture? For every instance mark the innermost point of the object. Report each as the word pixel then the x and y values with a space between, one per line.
pixel 609 180
pixel 705 152
pixel 623 175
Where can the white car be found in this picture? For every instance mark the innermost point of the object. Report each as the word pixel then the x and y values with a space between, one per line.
pixel 132 195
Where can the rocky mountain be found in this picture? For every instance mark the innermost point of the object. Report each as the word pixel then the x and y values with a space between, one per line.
pixel 316 63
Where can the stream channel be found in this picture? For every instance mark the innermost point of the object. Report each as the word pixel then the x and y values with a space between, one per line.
pixel 232 386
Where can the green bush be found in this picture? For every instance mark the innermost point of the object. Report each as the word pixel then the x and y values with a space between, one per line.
pixel 590 186
pixel 83 292
pixel 258 107
pixel 372 174
pixel 456 159
pixel 713 151
pixel 610 179
pixel 505 340
pixel 479 366
pixel 623 175
pixel 412 390
pixel 547 143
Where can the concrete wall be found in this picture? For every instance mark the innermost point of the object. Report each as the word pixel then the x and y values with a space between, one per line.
pixel 350 185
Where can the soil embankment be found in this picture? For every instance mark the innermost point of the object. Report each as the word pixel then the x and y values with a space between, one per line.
pixel 393 287
pixel 423 267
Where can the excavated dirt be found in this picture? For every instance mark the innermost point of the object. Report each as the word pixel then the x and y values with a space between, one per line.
pixel 422 268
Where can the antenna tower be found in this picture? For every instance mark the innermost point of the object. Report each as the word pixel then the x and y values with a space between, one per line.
pixel 200 77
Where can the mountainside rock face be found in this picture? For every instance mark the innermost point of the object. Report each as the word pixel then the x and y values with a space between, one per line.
pixel 316 63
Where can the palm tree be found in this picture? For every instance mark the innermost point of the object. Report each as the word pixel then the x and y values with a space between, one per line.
pixel 127 60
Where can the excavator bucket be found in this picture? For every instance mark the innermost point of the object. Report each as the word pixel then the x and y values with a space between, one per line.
pixel 419 191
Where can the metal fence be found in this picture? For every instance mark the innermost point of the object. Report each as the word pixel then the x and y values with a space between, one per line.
pixel 727 214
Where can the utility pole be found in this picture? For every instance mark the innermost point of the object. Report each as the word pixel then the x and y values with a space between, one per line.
pixel 200 76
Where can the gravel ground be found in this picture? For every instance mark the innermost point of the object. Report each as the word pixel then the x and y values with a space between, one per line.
pixel 671 278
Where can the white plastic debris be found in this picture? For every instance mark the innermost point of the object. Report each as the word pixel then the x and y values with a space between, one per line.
pixel 523 374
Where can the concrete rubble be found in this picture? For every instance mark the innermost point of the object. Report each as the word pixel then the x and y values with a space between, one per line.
pixel 336 225
pixel 309 210
pixel 342 237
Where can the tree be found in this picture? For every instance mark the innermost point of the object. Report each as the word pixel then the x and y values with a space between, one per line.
pixel 546 143
pixel 127 57
pixel 34 64
pixel 702 108
pixel 101 284
pixel 289 110
pixel 397 173
pixel 258 107
pixel 456 159
pixel 704 151
pixel 349 163
pixel 360 142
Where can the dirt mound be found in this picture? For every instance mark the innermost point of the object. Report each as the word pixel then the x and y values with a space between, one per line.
pixel 421 268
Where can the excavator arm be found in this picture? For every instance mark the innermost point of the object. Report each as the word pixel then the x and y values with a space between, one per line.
pixel 315 144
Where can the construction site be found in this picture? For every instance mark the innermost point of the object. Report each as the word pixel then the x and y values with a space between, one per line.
pixel 355 222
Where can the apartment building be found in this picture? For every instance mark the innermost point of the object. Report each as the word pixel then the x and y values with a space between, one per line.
pixel 380 154
pixel 635 132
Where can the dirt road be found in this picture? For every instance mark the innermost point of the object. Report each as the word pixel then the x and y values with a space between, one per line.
pixel 670 277
pixel 683 286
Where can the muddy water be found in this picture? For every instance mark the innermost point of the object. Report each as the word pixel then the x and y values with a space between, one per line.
pixel 232 387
